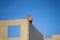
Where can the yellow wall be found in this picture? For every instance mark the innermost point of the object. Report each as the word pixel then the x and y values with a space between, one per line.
pixel 24 29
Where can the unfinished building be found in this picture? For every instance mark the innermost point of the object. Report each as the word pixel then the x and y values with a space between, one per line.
pixel 19 30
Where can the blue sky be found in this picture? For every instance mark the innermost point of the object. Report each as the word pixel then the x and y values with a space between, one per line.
pixel 45 13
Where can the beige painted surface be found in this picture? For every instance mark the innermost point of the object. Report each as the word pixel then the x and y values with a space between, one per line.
pixel 53 37
pixel 14 39
pixel 3 32
pixel 56 37
pixel 27 31
pixel 24 29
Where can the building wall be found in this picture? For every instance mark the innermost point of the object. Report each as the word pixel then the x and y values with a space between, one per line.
pixel 14 39
pixel 55 37
pixel 34 34
pixel 27 30
pixel 3 31
pixel 24 28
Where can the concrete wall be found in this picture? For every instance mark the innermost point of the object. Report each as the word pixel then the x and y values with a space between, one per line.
pixel 27 30
pixel 24 28
pixel 55 37
pixel 34 34
pixel 14 39
pixel 3 31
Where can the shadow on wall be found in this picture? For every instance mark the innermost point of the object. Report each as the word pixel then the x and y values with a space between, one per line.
pixel 34 33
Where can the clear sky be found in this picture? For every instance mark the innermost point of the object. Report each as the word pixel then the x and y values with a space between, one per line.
pixel 45 13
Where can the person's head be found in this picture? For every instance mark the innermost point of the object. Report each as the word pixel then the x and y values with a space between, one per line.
pixel 29 18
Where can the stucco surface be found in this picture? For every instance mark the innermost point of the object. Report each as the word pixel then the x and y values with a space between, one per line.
pixel 55 37
pixel 24 28
pixel 27 30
